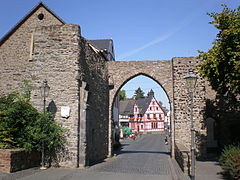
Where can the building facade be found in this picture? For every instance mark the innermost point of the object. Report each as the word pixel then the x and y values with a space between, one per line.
pixel 147 115
pixel 125 107
pixel 42 46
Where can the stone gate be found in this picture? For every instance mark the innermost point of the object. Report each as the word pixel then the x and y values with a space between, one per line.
pixel 42 46
pixel 169 75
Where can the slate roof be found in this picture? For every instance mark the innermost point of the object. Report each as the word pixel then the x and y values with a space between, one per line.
pixel 25 18
pixel 165 110
pixel 125 107
pixel 101 43
pixel 105 45
pixel 143 103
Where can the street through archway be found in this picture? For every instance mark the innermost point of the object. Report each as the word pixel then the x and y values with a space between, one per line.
pixel 146 158
pixel 148 155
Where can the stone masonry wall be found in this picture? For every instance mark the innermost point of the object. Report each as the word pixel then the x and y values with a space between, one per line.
pixel 181 104
pixel 122 71
pixel 45 49
pixel 96 76
pixel 15 52
pixel 48 49
pixel 169 74
pixel 65 59
pixel 55 58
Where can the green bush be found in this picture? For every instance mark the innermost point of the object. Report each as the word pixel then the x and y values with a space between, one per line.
pixel 6 139
pixel 22 126
pixel 230 161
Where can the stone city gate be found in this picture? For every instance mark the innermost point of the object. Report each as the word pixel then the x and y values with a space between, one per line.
pixel 122 71
pixel 169 75
pixel 42 46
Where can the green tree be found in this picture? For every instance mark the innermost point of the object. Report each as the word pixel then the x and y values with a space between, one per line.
pixel 221 66
pixel 22 126
pixel 138 94
pixel 221 63
pixel 122 95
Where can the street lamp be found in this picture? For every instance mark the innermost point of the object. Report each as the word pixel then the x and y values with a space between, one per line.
pixel 44 93
pixel 191 80
pixel 44 88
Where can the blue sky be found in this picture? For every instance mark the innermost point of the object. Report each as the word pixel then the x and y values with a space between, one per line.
pixel 140 29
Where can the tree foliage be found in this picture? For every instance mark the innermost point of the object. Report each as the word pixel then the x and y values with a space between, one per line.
pixel 22 126
pixel 138 94
pixel 221 63
pixel 122 95
pixel 230 161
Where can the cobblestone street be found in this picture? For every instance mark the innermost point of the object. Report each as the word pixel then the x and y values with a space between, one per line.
pixel 146 155
pixel 145 158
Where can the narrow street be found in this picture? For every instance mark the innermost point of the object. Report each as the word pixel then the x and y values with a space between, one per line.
pixel 146 155
pixel 144 158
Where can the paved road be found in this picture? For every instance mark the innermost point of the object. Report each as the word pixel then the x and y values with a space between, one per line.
pixel 147 155
pixel 146 158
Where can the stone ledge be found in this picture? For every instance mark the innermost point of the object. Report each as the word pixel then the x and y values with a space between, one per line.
pixel 182 156
pixel 12 160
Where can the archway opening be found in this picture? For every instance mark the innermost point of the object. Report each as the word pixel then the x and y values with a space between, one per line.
pixel 140 106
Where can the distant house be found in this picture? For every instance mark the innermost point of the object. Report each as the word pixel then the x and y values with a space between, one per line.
pixel 147 115
pixel 125 107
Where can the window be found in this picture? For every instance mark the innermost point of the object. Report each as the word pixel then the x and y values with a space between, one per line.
pixel 150 108
pixel 131 117
pixel 41 16
pixel 148 116
pixel 141 126
pixel 154 125
pixel 140 117
pixel 156 108
pixel 154 116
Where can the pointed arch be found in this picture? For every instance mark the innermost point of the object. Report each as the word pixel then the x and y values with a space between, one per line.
pixel 134 76
pixel 120 72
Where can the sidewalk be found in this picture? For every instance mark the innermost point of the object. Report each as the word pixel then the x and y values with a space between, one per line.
pixel 19 174
pixel 209 170
pixel 205 170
